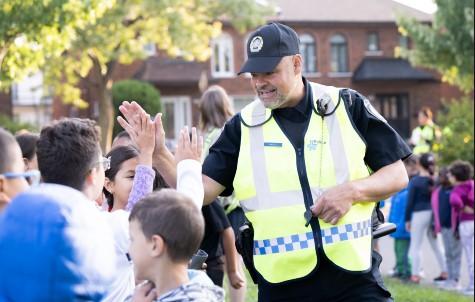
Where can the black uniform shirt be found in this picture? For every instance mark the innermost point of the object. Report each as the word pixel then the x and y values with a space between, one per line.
pixel 384 146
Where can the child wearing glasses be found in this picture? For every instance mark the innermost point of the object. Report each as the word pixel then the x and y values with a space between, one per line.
pixel 12 176
pixel 54 245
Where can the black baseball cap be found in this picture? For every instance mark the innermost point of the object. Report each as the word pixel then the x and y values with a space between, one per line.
pixel 268 45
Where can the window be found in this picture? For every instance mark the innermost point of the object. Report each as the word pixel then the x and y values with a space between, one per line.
pixel 222 56
pixel 241 101
pixel 395 109
pixel 308 52
pixel 339 53
pixel 150 49
pixel 403 41
pixel 177 114
pixel 372 41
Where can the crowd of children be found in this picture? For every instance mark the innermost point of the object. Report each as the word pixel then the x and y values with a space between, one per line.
pixel 433 204
pixel 58 243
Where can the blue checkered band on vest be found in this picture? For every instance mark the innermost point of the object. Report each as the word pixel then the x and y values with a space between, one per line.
pixel 305 240
pixel 346 232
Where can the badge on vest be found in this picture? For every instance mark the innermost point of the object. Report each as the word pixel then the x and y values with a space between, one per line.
pixel 272 144
pixel 313 144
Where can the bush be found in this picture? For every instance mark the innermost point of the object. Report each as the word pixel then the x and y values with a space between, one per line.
pixel 132 90
pixel 456 122
pixel 15 126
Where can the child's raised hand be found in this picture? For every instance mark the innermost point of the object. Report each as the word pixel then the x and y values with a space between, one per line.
pixel 159 133
pixel 145 134
pixel 189 149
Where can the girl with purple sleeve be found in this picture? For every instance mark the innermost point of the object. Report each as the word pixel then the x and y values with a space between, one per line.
pixel 461 199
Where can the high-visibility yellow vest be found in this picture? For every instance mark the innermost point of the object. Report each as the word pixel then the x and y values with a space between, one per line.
pixel 273 177
pixel 426 136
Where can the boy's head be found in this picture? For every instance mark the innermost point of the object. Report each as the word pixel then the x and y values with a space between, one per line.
pixel 27 142
pixel 164 225
pixel 11 164
pixel 460 171
pixel 69 154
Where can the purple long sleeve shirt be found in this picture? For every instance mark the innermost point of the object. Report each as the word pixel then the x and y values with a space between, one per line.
pixel 143 185
pixel 461 196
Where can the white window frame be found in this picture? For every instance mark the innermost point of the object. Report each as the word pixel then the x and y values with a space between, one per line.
pixel 181 115
pixel 305 41
pixel 224 45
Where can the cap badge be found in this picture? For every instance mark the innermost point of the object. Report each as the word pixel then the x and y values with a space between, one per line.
pixel 256 44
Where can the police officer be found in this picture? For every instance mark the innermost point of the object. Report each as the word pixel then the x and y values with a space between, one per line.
pixel 423 136
pixel 307 162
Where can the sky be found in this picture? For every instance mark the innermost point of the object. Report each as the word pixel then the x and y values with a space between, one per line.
pixel 427 6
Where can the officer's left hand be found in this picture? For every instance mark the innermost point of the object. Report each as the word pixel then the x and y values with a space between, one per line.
pixel 334 203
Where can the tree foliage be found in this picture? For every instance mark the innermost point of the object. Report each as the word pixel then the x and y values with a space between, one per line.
pixel 179 27
pixel 32 31
pixel 456 120
pixel 447 44
pixel 15 126
pixel 141 92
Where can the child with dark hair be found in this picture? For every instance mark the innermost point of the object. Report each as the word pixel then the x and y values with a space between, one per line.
pixel 461 199
pixel 418 217
pixel 402 238
pixel 27 142
pixel 129 179
pixel 161 251
pixel 12 181
pixel 50 235
pixel 445 219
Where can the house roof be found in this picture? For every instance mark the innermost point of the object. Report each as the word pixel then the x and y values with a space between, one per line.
pixel 382 69
pixel 347 11
pixel 169 70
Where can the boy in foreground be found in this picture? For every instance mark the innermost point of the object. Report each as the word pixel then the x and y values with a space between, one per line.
pixel 166 229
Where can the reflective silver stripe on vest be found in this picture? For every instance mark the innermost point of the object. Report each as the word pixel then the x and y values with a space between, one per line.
pixel 264 198
pixel 306 240
pixel 256 144
pixel 346 232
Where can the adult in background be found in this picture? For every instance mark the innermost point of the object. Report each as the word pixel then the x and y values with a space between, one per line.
pixel 424 135
pixel 297 159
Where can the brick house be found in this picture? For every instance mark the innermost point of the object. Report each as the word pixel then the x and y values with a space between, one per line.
pixel 344 43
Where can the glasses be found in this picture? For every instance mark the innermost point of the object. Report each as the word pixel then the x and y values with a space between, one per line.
pixel 33 176
pixel 106 163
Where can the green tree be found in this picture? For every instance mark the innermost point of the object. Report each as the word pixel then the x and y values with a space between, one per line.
pixel 446 45
pixel 27 27
pixel 456 121
pixel 181 27
pixel 14 126
pixel 141 92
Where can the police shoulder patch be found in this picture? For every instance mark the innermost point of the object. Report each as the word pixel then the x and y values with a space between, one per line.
pixel 372 111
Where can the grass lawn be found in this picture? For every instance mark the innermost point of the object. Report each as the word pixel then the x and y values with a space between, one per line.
pixel 401 292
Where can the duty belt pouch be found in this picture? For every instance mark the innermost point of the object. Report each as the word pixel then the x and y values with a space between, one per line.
pixel 245 247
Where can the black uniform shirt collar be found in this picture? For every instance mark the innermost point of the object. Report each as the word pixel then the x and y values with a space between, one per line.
pixel 300 112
